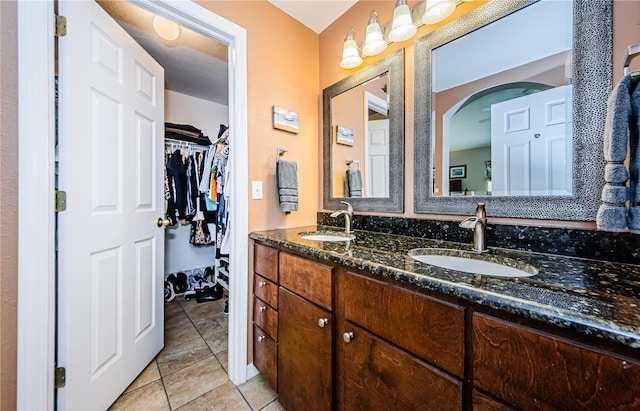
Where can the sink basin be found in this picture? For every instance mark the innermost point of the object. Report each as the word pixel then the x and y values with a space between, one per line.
pixel 473 263
pixel 326 236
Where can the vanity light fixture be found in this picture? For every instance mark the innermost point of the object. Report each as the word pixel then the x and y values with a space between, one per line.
pixel 374 42
pixel 166 28
pixel 350 54
pixel 437 10
pixel 404 25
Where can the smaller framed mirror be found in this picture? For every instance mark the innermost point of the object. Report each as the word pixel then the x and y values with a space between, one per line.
pixel 363 138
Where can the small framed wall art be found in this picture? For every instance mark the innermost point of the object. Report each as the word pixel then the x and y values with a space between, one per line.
pixel 458 171
pixel 285 119
pixel 344 135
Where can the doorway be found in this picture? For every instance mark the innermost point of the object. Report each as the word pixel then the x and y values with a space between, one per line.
pixel 36 127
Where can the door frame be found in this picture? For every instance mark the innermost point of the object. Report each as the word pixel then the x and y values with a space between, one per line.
pixel 36 185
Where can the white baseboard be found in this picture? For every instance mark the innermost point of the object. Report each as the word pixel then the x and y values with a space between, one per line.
pixel 252 371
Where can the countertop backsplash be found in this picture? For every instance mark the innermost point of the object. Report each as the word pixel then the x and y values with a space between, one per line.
pixel 599 245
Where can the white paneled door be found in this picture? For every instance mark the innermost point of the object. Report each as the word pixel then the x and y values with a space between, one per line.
pixel 111 252
pixel 377 169
pixel 531 144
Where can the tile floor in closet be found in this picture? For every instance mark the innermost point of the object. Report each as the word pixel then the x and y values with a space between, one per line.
pixel 190 373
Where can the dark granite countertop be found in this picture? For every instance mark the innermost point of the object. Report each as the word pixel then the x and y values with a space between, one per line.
pixel 594 297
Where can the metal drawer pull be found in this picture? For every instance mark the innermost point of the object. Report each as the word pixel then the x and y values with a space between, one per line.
pixel 347 337
pixel 322 322
pixel 261 284
pixel 260 338
pixel 262 309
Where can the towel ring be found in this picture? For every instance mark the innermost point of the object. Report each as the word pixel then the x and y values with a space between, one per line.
pixel 349 162
pixel 632 51
pixel 281 151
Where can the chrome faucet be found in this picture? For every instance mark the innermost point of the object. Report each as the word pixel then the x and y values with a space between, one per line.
pixel 478 224
pixel 348 215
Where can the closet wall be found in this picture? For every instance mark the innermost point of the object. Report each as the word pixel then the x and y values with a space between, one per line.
pixel 207 116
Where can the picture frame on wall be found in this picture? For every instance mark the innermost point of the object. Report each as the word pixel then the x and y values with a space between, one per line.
pixel 344 135
pixel 286 120
pixel 458 172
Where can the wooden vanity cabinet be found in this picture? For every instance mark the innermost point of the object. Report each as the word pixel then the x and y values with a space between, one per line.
pixel 535 370
pixel 332 337
pixel 305 341
pixel 265 312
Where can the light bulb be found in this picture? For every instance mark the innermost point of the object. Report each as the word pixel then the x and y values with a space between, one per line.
pixel 166 28
pixel 374 42
pixel 437 10
pixel 350 55
pixel 403 27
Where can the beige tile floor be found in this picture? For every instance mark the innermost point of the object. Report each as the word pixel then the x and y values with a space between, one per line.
pixel 190 373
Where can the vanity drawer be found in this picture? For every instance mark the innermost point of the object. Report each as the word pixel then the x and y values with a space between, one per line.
pixel 266 318
pixel 265 356
pixel 534 370
pixel 266 290
pixel 265 262
pixel 431 329
pixel 307 278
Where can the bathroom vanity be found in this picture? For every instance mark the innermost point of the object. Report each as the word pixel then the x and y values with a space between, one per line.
pixel 361 325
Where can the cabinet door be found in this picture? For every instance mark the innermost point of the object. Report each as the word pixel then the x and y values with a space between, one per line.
pixel 377 375
pixel 533 370
pixel 304 354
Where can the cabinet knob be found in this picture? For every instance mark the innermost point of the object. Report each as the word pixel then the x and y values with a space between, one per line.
pixel 322 322
pixel 261 284
pixel 347 337
pixel 262 309
pixel 260 338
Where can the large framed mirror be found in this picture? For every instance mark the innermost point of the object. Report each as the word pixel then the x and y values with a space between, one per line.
pixel 363 138
pixel 510 104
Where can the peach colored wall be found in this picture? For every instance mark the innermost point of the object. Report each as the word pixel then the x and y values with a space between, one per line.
pixel 282 69
pixel 626 27
pixel 8 203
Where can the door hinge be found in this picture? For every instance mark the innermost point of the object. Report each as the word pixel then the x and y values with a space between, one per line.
pixel 61 375
pixel 61 201
pixel 61 26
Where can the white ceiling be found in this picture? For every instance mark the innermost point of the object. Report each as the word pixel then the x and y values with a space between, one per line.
pixel 317 15
pixel 194 64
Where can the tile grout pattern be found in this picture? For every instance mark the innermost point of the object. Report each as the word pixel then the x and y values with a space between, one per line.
pixel 190 373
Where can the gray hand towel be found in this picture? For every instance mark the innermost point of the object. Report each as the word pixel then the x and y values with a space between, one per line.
pixel 612 214
pixel 354 183
pixel 287 185
pixel 633 214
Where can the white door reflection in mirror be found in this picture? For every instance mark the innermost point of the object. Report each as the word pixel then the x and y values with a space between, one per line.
pixel 531 144
pixel 377 182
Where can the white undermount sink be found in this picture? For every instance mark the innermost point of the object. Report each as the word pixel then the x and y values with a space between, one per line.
pixel 465 262
pixel 326 236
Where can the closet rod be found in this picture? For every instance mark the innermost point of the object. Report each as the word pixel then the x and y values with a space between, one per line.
pixel 186 144
pixel 632 51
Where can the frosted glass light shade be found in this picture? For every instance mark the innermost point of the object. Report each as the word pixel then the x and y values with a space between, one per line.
pixel 166 28
pixel 437 10
pixel 350 55
pixel 402 28
pixel 374 42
